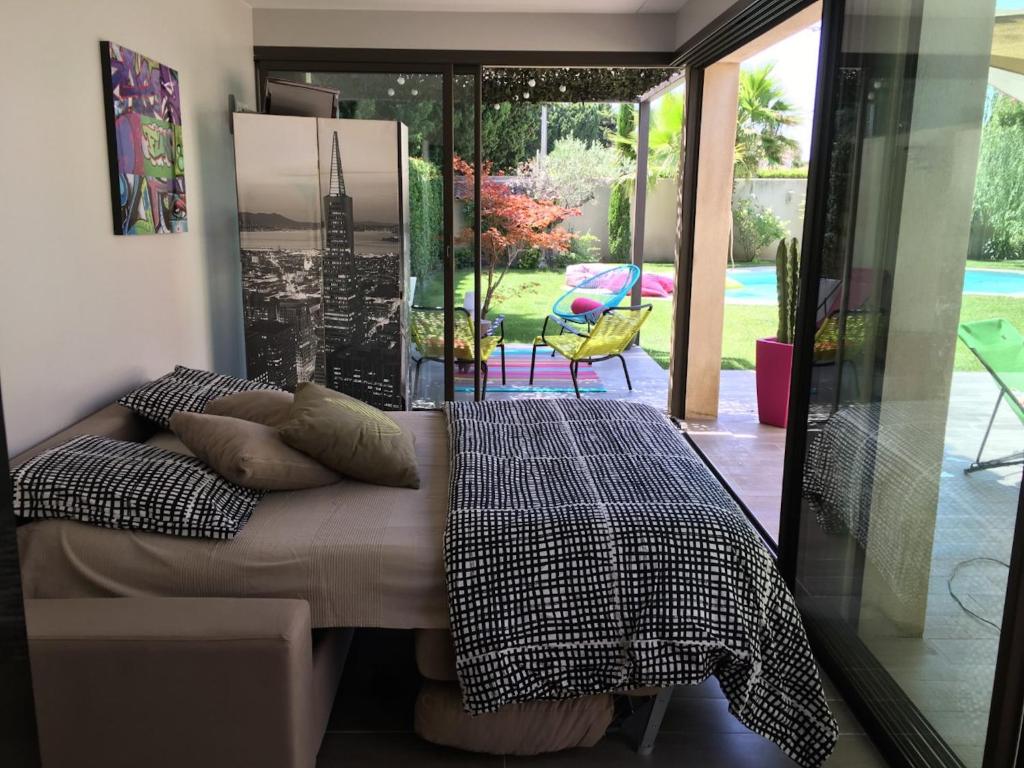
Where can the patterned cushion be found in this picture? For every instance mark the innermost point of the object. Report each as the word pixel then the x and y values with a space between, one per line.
pixel 116 484
pixel 183 389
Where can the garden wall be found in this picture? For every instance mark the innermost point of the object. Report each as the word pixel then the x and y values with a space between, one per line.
pixel 783 196
pixel 659 224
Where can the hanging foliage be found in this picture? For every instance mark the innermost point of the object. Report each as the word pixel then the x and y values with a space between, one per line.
pixel 576 84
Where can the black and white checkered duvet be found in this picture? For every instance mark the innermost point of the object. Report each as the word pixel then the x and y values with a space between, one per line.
pixel 588 549
pixel 881 458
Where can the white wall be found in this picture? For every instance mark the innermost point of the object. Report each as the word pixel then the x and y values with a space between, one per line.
pixel 85 315
pixel 473 31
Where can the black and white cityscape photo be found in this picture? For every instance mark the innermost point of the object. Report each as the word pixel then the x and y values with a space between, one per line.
pixel 323 253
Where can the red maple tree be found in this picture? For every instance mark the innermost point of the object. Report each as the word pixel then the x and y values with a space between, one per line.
pixel 510 223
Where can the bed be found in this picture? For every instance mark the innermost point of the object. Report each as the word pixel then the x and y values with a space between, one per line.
pixel 361 555
pixel 572 547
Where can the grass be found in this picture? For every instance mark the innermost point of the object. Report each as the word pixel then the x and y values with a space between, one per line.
pixel 525 297
pixel 1008 264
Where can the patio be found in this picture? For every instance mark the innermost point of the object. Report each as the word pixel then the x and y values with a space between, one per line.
pixel 650 380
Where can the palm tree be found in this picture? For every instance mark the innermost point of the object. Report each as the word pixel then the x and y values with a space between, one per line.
pixel 668 114
pixel 761 114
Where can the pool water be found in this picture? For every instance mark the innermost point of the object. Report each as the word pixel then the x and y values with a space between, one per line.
pixel 756 285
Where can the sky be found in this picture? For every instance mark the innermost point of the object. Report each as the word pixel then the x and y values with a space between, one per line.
pixel 796 62
pixel 796 65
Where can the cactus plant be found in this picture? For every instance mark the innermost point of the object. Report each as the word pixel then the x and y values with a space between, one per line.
pixel 787 274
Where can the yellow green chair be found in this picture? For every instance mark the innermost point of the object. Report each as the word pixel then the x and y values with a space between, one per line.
pixel 609 337
pixel 426 326
pixel 999 346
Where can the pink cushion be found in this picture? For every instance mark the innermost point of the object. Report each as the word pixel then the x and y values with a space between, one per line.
pixel 583 304
pixel 653 289
pixel 612 283
pixel 577 273
pixel 667 282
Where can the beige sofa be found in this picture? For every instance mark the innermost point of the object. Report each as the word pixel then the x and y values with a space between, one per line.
pixel 170 682
pixel 165 682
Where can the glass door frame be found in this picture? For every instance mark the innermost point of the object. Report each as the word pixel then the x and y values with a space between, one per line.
pixel 731 30
pixel 448 71
pixel 448 63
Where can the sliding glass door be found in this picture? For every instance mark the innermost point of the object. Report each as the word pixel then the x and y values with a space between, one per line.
pixel 912 368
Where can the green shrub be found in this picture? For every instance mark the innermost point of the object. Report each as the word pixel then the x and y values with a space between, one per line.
pixel 997 231
pixel 528 259
pixel 463 257
pixel 426 212
pixel 619 224
pixel 782 173
pixel 582 250
pixel 753 228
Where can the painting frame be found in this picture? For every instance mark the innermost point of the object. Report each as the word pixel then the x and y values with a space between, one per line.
pixel 142 111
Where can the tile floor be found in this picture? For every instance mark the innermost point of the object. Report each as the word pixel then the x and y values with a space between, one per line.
pixel 947 671
pixel 371 725
pixel 748 454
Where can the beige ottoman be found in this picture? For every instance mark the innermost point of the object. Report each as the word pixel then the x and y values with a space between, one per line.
pixel 530 728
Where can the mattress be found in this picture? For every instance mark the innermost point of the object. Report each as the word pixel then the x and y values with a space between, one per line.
pixel 362 555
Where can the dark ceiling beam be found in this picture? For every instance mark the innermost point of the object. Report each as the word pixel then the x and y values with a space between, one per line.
pixel 340 56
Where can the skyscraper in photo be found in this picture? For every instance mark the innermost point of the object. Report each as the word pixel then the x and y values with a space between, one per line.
pixel 363 350
pixel 339 297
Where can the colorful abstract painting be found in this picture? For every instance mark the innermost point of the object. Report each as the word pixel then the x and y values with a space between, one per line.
pixel 147 165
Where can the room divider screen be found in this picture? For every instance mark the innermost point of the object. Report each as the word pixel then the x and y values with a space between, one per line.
pixel 439 104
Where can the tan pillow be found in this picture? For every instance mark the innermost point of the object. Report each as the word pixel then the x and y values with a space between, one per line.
pixel 264 406
pixel 249 454
pixel 351 437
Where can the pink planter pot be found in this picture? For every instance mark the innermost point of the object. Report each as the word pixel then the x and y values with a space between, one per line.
pixel 774 364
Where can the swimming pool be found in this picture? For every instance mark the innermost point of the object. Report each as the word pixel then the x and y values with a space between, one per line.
pixel 756 285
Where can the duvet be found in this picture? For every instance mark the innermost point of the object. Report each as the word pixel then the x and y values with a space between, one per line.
pixel 588 549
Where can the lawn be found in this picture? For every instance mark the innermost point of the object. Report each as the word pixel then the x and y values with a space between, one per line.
pixel 526 296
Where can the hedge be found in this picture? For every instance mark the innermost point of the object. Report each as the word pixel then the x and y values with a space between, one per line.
pixel 426 212
pixel 782 173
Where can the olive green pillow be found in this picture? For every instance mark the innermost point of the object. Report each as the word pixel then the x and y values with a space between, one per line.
pixel 264 406
pixel 249 454
pixel 351 437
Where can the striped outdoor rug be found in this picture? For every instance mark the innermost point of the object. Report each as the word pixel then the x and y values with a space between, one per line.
pixel 550 375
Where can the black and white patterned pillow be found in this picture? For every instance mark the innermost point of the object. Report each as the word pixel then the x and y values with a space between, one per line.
pixel 183 389
pixel 134 486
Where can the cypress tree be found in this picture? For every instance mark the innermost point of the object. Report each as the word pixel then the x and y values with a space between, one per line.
pixel 619 216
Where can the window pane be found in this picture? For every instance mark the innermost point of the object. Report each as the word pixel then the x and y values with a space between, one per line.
pixel 909 492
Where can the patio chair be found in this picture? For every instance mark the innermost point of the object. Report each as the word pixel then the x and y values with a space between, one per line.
pixel 608 338
pixel 426 327
pixel 1000 348
pixel 618 281
pixel 843 339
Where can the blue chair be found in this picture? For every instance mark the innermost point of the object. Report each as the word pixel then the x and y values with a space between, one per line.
pixel 627 273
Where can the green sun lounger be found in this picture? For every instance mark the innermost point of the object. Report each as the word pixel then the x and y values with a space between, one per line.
pixel 1000 348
